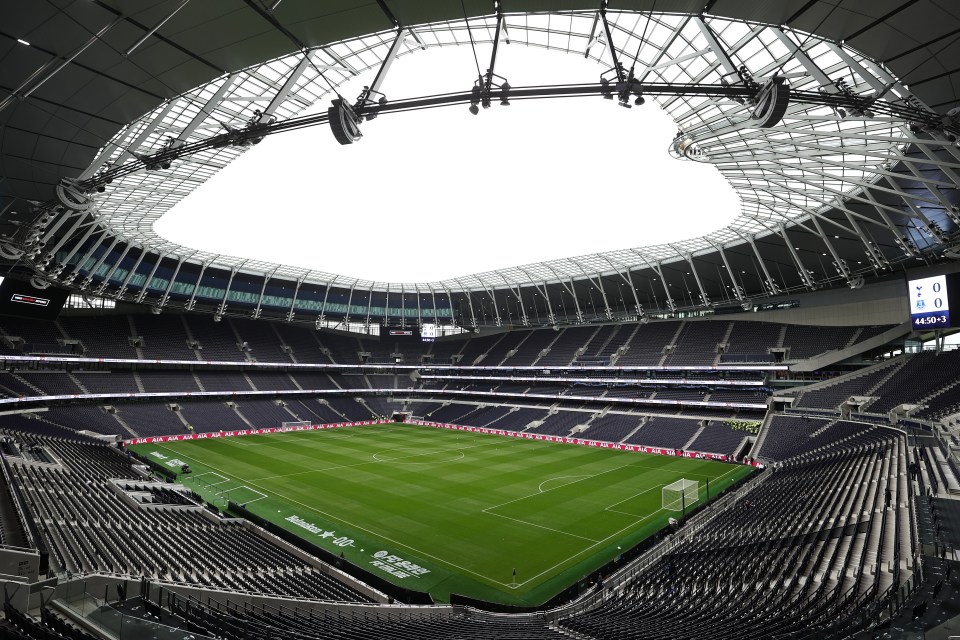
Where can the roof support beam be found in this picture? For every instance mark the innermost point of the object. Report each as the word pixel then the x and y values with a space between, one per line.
pixel 58 222
pixel 368 97
pixel 704 298
pixel 903 241
pixel 469 295
pixel 293 303
pixel 496 309
pixel 263 290
pixel 207 109
pixel 617 66
pixel 196 285
pixel 346 317
pixel 323 307
pixel 669 43
pixel 173 279
pixel 226 290
pixel 714 43
pixel 126 281
pixel 154 29
pixel 292 79
pixel 628 279
pixel 797 52
pixel 736 287
pixel 142 135
pixel 874 255
pixel 769 282
pixel 146 283
pixel 76 247
pixel 113 268
pixel 93 270
pixel 839 263
pixel 804 273
pixel 671 305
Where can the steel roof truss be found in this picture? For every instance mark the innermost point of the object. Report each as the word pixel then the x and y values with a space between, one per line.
pixel 191 303
pixel 805 274
pixel 146 283
pixel 93 270
pixel 293 303
pixel 126 281
pixel 76 247
pixel 839 263
pixel 113 268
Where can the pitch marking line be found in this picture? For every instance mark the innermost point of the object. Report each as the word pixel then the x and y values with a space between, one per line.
pixel 379 536
pixel 540 486
pixel 261 494
pixel 236 441
pixel 398 460
pixel 211 473
pixel 444 562
pixel 539 526
pixel 632 515
pixel 359 464
pixel 612 535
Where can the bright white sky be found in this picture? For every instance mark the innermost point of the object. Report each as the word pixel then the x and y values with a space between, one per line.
pixel 436 194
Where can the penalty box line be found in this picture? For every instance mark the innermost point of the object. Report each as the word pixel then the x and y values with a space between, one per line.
pixel 490 510
pixel 211 473
pixel 612 535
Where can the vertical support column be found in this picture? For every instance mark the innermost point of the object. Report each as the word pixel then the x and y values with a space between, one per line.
pixel 293 303
pixel 226 292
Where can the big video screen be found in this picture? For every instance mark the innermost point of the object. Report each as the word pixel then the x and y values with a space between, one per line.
pixel 931 299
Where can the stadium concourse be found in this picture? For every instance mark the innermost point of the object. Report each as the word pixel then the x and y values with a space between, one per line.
pixel 747 433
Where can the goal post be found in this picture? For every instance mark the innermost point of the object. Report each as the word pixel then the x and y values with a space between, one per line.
pixel 680 495
pixel 292 424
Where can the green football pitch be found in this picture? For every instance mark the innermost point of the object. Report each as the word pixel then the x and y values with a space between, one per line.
pixel 497 518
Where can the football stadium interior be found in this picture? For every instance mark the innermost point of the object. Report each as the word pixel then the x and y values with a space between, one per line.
pixel 750 432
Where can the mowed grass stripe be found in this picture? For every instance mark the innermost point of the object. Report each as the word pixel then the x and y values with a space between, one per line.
pixel 469 507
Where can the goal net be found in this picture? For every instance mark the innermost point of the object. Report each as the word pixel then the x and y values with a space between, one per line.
pixel 295 423
pixel 680 495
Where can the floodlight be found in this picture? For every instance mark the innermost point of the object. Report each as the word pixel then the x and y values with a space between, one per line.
pixel 639 101
pixel 474 109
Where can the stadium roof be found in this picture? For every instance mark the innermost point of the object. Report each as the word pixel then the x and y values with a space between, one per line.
pixel 827 196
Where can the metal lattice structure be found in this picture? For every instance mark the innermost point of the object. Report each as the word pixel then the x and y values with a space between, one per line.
pixel 829 196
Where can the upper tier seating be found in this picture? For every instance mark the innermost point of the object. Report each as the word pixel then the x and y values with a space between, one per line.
pixel 697 343
pixel 164 337
pixel 718 437
pixel 834 395
pixel 667 433
pixel 922 375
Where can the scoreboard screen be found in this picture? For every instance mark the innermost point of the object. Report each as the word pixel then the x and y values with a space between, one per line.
pixel 930 301
pixel 428 332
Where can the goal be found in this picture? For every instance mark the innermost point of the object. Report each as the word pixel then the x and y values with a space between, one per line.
pixel 680 495
pixel 292 424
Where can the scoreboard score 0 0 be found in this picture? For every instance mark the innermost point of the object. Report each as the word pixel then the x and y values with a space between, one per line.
pixel 428 332
pixel 930 301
